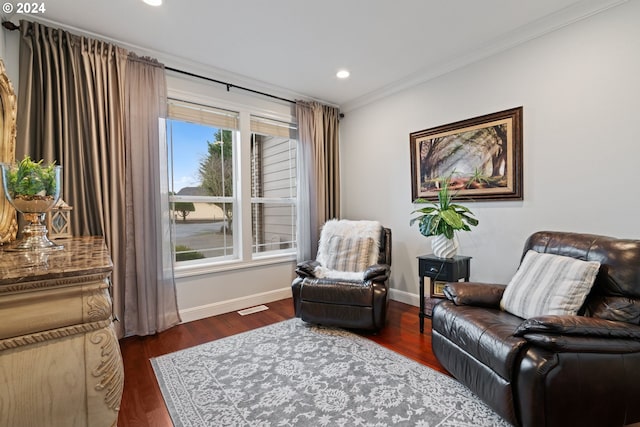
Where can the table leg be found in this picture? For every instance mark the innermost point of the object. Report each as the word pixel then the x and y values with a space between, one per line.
pixel 421 314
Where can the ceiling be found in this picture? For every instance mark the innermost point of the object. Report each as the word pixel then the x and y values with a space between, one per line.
pixel 295 47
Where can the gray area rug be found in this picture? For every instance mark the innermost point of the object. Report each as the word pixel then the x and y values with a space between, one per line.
pixel 294 374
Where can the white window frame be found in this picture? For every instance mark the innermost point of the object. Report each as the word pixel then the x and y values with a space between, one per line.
pixel 206 95
pixel 267 128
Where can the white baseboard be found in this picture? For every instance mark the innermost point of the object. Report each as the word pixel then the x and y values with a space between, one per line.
pixel 221 307
pixel 213 309
pixel 405 297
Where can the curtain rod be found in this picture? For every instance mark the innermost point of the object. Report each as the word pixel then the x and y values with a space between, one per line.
pixel 229 85
pixel 11 27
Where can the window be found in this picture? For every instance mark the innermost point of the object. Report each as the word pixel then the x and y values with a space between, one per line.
pixel 273 185
pixel 206 159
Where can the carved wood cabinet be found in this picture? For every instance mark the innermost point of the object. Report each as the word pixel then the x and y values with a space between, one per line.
pixel 60 362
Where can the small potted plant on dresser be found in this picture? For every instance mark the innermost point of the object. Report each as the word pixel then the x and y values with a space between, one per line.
pixel 33 189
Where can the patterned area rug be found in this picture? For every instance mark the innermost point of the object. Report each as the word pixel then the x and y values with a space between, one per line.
pixel 293 374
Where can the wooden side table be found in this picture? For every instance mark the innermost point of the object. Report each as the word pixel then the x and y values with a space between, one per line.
pixel 439 271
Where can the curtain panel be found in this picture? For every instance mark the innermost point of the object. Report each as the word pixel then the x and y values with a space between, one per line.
pixel 319 173
pixel 147 308
pixel 94 108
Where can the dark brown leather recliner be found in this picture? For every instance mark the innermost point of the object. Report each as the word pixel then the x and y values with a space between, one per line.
pixel 354 304
pixel 579 370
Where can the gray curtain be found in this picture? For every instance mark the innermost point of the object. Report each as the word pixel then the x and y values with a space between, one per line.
pixel 150 299
pixel 69 110
pixel 318 173
pixel 75 107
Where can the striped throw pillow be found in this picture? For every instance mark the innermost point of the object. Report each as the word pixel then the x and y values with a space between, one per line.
pixel 348 253
pixel 547 284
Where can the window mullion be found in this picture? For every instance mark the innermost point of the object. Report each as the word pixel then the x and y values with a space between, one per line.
pixel 244 186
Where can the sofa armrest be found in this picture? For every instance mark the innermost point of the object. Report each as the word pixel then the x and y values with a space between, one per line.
pixel 477 294
pixel 580 334
pixel 578 326
pixel 377 272
pixel 307 268
pixel 577 344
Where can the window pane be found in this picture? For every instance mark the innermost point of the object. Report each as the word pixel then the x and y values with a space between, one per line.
pixel 216 167
pixel 274 226
pixel 204 232
pixel 273 187
pixel 201 183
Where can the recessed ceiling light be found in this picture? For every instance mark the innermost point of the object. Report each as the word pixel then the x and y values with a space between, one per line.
pixel 342 74
pixel 153 2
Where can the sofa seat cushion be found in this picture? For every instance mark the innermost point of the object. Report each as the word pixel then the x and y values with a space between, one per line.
pixel 337 292
pixel 486 334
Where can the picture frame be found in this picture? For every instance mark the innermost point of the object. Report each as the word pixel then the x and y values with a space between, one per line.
pixel 8 111
pixel 437 289
pixel 481 157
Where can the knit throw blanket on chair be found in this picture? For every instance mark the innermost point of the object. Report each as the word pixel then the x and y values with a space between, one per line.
pixel 347 248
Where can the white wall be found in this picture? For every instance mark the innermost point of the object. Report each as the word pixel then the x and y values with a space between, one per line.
pixel 2 45
pixel 9 50
pixel 580 89
pixel 210 294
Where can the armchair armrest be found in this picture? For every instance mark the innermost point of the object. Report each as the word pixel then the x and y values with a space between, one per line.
pixel 377 272
pixel 306 268
pixel 471 293
pixel 580 334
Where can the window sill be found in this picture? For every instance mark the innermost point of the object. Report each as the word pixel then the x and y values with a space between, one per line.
pixel 231 265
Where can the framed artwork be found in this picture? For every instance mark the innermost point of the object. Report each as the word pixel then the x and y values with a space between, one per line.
pixel 482 157
pixel 438 288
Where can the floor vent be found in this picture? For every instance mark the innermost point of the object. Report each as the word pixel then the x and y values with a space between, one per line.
pixel 253 310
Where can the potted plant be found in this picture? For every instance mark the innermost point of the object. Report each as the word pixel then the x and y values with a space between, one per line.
pixel 33 189
pixel 442 220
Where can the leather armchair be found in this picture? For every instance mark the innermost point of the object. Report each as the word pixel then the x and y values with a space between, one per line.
pixel 355 304
pixel 551 370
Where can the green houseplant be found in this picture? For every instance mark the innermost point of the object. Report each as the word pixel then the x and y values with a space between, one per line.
pixel 33 189
pixel 442 219
pixel 30 180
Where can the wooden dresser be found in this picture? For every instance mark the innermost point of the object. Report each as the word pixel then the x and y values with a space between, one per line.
pixel 60 362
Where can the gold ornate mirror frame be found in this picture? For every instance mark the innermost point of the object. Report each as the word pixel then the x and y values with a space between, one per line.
pixel 8 223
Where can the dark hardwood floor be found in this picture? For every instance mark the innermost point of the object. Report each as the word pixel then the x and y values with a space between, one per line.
pixel 142 404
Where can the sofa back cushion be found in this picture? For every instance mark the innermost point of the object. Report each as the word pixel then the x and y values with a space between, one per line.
pixel 616 291
pixel 547 284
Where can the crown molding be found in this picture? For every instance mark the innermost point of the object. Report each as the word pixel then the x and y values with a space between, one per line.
pixel 550 23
